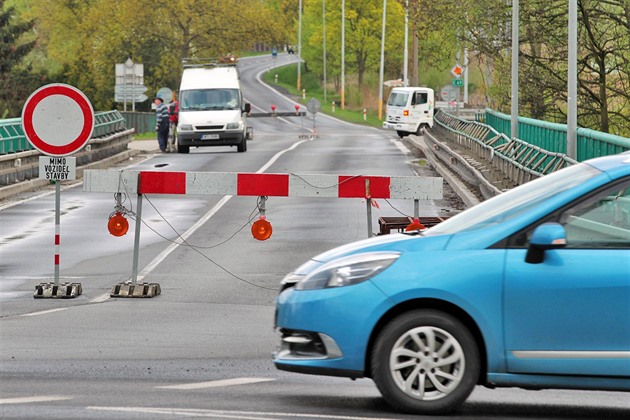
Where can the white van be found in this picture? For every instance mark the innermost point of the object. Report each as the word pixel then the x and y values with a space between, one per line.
pixel 211 108
pixel 409 110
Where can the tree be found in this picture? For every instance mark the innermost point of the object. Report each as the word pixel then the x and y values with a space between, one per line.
pixel 13 49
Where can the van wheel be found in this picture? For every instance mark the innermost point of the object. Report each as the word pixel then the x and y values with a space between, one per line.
pixel 425 362
pixel 420 131
pixel 242 146
pixel 182 149
pixel 402 134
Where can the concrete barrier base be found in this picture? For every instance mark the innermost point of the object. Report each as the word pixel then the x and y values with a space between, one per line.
pixel 63 290
pixel 140 290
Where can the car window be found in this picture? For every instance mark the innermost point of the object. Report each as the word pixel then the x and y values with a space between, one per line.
pixel 517 201
pixel 602 220
pixel 420 98
pixel 398 99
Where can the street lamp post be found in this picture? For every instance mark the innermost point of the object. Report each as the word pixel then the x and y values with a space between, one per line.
pixel 324 46
pixel 343 53
pixel 572 83
pixel 299 54
pixel 514 109
pixel 380 84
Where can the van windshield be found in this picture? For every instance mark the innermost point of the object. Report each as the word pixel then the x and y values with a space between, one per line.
pixel 398 99
pixel 209 99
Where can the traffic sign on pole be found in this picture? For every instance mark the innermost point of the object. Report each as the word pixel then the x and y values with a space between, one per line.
pixel 458 82
pixel 457 70
pixel 58 119
pixel 130 98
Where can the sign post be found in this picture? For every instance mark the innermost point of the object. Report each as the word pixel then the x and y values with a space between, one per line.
pixel 457 72
pixel 58 120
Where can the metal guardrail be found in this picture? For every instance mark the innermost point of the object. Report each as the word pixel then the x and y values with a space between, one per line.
pixel 19 161
pixel 553 137
pixel 506 162
pixel 13 140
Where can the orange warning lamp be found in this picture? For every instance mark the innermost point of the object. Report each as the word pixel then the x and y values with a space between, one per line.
pixel 261 229
pixel 415 225
pixel 117 224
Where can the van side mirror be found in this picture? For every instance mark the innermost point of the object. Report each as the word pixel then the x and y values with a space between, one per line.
pixel 248 108
pixel 544 237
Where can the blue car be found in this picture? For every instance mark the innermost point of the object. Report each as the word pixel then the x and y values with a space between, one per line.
pixel 528 289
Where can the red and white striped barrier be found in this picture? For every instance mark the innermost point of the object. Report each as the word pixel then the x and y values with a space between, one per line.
pixel 270 185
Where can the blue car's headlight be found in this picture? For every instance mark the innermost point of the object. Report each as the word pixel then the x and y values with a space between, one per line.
pixel 348 270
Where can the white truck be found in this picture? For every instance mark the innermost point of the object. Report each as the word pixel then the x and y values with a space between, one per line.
pixel 409 110
pixel 211 108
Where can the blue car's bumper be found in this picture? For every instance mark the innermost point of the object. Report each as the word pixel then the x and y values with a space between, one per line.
pixel 314 327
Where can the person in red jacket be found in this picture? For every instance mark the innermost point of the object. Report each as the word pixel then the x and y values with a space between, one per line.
pixel 173 108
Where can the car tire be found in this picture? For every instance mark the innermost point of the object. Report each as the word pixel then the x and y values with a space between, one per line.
pixel 402 134
pixel 434 380
pixel 242 146
pixel 182 149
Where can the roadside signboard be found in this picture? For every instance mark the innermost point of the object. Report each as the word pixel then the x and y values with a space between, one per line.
pixel 58 119
pixel 448 93
pixel 458 82
pixel 57 168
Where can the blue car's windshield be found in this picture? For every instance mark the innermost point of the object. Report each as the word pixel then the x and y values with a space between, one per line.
pixel 516 201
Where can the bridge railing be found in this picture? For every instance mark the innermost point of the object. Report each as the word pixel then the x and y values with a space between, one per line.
pixel 13 140
pixel 512 159
pixel 553 137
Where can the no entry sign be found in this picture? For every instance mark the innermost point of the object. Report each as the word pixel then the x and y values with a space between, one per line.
pixel 58 119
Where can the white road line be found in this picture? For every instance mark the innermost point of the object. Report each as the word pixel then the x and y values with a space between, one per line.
pixel 215 384
pixel 401 147
pixel 101 298
pixel 242 415
pixel 162 256
pixel 44 312
pixel 26 400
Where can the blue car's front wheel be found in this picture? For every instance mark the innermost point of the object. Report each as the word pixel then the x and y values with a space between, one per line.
pixel 425 362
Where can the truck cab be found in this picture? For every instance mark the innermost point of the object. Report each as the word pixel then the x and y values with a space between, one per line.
pixel 409 110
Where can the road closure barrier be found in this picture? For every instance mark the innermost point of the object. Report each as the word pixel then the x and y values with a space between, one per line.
pixel 263 185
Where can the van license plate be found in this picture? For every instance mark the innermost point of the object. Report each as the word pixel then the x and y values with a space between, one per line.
pixel 209 136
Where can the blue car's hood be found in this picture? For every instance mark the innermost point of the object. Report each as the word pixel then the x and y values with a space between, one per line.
pixel 393 242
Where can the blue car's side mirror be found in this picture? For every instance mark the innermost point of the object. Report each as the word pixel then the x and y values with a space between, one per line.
pixel 545 236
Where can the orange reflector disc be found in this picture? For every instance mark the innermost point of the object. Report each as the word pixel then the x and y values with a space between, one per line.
pixel 118 225
pixel 261 229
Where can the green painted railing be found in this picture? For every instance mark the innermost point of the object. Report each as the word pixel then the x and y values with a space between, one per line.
pixel 141 122
pixel 13 140
pixel 553 136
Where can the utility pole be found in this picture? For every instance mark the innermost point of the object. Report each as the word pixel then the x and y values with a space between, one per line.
pixel 572 83
pixel 514 109
pixel 299 76
pixel 343 53
pixel 324 46
pixel 406 54
pixel 380 84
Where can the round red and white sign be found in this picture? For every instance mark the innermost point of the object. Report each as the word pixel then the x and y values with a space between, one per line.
pixel 58 119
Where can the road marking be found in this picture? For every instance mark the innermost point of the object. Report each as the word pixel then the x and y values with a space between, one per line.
pixel 215 384
pixel 401 147
pixel 49 311
pixel 224 414
pixel 162 256
pixel 26 400
pixel 101 298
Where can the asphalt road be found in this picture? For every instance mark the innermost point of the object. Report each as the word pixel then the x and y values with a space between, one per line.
pixel 203 347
